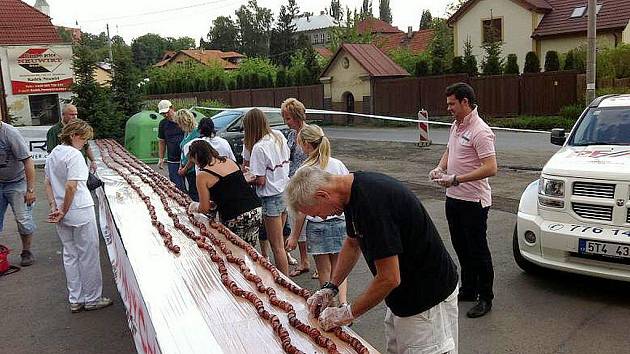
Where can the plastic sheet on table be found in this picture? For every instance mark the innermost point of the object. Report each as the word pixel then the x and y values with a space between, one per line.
pixel 189 307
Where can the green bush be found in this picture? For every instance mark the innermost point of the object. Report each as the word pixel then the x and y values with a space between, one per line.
pixel 544 123
pixel 569 61
pixel 511 67
pixel 457 67
pixel 422 68
pixel 552 62
pixel 572 111
pixel 213 104
pixel 532 63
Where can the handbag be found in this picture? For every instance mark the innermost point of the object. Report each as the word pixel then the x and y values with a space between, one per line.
pixel 93 182
pixel 5 267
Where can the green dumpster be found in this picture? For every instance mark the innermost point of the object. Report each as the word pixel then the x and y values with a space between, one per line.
pixel 141 134
pixel 198 115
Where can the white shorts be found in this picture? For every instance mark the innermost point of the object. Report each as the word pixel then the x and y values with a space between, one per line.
pixel 431 332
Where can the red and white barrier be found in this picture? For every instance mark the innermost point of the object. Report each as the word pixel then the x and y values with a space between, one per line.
pixel 423 127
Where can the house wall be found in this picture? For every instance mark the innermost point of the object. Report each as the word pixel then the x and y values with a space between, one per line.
pixel 518 25
pixel 180 57
pixel 346 80
pixel 566 43
pixel 319 37
pixel 102 77
pixel 625 36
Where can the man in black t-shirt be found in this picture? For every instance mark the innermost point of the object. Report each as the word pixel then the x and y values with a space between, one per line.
pixel 412 270
pixel 170 135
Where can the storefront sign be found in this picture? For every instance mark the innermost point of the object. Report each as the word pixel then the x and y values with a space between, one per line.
pixel 40 69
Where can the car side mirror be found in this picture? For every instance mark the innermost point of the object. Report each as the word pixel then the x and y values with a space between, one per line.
pixel 558 136
pixel 236 129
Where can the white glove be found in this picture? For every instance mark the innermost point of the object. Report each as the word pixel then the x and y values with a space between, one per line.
pixel 446 180
pixel 319 301
pixel 436 173
pixel 333 317
pixel 193 207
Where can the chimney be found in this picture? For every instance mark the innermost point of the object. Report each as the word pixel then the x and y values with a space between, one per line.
pixel 409 32
pixel 321 12
pixel 308 17
pixel 43 7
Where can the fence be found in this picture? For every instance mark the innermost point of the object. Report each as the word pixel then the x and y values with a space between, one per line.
pixel 312 96
pixel 501 95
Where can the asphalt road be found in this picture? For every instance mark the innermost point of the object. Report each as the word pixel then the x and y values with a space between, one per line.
pixel 549 313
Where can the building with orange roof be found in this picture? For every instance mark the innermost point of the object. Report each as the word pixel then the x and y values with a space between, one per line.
pixel 209 57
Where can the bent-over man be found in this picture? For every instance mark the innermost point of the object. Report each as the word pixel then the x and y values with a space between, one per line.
pixel 412 270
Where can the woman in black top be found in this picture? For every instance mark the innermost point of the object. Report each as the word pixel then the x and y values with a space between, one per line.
pixel 220 178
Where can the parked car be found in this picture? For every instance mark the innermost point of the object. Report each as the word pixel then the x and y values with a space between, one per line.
pixel 576 217
pixel 229 125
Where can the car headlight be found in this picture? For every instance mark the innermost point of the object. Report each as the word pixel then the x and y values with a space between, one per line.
pixel 551 187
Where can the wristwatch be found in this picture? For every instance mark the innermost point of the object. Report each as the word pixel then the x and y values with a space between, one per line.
pixel 455 181
pixel 331 286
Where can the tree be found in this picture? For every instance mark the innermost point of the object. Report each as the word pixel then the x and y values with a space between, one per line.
pixel 422 68
pixel 177 44
pixel 347 33
pixel 66 36
pixel 511 67
pixel 470 61
pixel 94 102
pixel 254 26
pixel 384 11
pixel 532 63
pixel 366 9
pixel 311 64
pixel 124 84
pixel 223 34
pixel 441 46
pixel 552 62
pixel 335 10
pixel 283 35
pixel 569 61
pixel 426 20
pixel 492 63
pixel 281 78
pixel 452 7
pixel 457 66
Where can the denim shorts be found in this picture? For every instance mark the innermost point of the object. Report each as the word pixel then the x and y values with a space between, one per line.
pixel 325 237
pixel 12 193
pixel 273 205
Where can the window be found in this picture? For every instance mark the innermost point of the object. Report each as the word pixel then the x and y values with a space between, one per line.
pixel 44 109
pixel 492 30
pixel 578 11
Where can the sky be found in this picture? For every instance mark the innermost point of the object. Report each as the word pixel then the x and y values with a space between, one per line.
pixel 133 18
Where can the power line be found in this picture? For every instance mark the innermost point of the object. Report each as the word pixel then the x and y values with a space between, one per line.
pixel 135 24
pixel 158 11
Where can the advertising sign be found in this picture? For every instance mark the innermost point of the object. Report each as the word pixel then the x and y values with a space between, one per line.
pixel 40 69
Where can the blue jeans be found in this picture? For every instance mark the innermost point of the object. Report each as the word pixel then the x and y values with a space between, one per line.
pixel 273 205
pixel 12 193
pixel 175 177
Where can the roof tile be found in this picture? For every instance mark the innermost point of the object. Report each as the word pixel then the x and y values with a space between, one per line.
pixel 372 59
pixel 23 24
pixel 614 15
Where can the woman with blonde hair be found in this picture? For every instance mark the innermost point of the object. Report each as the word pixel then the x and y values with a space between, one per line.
pixel 324 237
pixel 72 210
pixel 187 123
pixel 294 114
pixel 266 154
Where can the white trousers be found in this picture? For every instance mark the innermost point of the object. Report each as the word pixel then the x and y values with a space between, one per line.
pixel 81 258
pixel 431 332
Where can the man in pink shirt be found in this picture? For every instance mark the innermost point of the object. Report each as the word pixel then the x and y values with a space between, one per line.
pixel 463 170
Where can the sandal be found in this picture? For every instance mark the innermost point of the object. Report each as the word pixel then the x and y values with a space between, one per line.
pixel 315 275
pixel 298 271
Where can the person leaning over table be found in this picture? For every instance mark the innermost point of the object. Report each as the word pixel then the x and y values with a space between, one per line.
pixel 72 210
pixel 412 270
pixel 222 180
pixel 68 113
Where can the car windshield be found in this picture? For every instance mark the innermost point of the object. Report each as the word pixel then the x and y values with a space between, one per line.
pixel 275 118
pixel 223 119
pixel 603 126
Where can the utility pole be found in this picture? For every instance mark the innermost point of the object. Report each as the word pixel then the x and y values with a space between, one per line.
pixel 109 44
pixel 591 53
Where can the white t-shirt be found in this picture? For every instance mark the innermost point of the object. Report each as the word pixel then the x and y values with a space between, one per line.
pixel 334 167
pixel 66 163
pixel 270 159
pixel 218 143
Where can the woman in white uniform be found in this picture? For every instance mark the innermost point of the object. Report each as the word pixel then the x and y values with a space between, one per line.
pixel 72 209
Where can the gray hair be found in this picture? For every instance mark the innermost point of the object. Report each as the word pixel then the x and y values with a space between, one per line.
pixel 67 107
pixel 300 192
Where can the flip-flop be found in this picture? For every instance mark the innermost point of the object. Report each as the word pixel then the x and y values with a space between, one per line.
pixel 315 275
pixel 298 271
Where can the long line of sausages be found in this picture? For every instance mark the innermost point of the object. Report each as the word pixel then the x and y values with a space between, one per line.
pixel 164 188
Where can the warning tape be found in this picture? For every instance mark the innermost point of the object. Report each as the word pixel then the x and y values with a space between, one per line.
pixel 389 118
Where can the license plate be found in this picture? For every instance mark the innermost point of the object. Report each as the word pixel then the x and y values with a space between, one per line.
pixel 607 249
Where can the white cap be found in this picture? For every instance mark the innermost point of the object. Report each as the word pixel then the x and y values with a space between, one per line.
pixel 164 106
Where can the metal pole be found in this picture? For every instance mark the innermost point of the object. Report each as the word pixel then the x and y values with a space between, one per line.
pixel 591 53
pixel 111 57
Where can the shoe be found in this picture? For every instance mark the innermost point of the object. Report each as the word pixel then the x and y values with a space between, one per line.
pixel 480 309
pixel 74 308
pixel 315 275
pixel 297 271
pixel 27 258
pixel 466 297
pixel 99 304
pixel 292 261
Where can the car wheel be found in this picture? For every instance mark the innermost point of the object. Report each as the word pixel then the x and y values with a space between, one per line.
pixel 521 261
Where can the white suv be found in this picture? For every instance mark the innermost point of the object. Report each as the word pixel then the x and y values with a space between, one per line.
pixel 576 218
